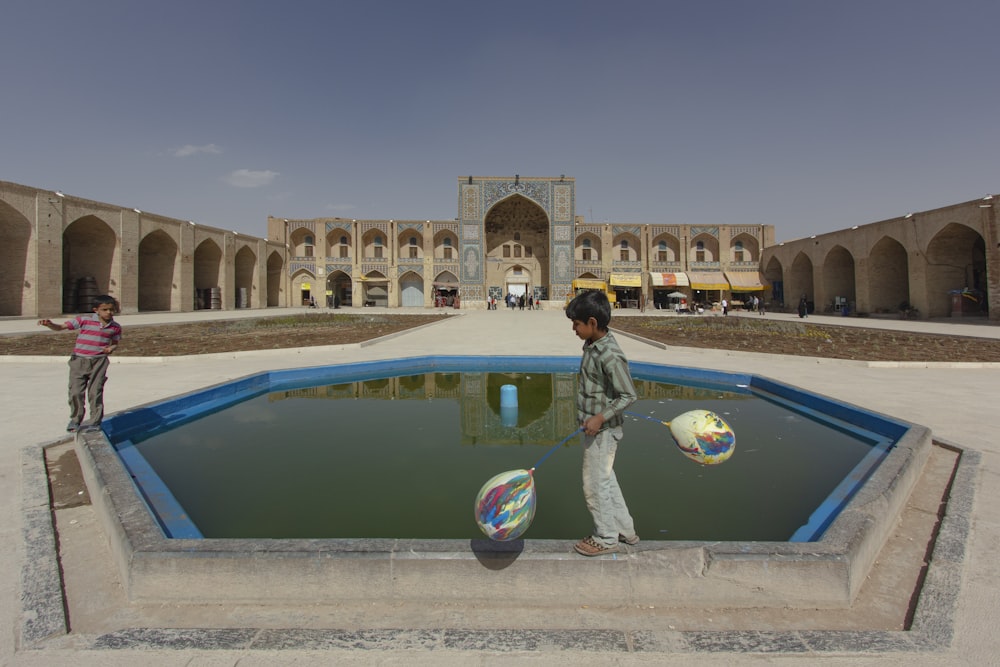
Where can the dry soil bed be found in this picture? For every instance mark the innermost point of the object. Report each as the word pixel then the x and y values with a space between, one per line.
pixel 733 333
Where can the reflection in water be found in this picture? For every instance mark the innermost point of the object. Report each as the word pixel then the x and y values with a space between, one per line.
pixel 404 457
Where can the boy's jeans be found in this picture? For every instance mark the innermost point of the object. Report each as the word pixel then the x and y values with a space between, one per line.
pixel 600 487
pixel 87 375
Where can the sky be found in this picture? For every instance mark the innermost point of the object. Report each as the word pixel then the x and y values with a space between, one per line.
pixel 809 115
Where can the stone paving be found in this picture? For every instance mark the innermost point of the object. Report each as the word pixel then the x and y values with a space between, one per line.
pixel 953 623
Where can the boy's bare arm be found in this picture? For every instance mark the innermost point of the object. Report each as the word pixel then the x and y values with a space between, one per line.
pixel 49 324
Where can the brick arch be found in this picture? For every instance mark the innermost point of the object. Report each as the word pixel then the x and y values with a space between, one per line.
pixel 158 266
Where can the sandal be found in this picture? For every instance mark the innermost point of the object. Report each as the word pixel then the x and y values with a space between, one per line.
pixel 588 546
pixel 631 541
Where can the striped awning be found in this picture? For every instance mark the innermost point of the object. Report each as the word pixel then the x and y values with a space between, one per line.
pixel 626 280
pixel 746 281
pixel 708 280
pixel 668 279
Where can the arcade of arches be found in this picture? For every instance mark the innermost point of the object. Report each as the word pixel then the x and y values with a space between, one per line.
pixel 512 236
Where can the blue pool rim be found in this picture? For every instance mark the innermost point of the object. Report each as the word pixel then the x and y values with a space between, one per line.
pixel 122 428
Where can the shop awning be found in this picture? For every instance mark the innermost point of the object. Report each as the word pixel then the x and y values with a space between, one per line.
pixel 708 280
pixel 366 279
pixel 746 281
pixel 589 283
pixel 626 280
pixel 668 279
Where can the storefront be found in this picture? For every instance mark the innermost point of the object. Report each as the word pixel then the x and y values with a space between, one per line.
pixel 665 286
pixel 744 285
pixel 708 287
pixel 627 288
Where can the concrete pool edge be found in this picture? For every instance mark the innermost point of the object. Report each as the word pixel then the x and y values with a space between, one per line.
pixel 822 574
pixel 44 622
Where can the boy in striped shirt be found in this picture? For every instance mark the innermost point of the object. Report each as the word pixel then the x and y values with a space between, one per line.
pixel 98 337
pixel 605 391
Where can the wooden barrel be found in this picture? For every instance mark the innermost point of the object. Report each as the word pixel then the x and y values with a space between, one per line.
pixel 69 297
pixel 215 298
pixel 199 299
pixel 86 290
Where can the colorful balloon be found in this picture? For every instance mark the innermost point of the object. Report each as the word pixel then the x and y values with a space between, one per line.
pixel 703 436
pixel 505 505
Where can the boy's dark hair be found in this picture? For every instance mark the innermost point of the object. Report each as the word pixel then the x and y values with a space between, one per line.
pixel 102 299
pixel 591 303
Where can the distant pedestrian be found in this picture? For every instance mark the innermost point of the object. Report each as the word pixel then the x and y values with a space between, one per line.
pixel 803 307
pixel 725 307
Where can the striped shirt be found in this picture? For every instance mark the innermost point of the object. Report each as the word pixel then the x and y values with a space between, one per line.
pixel 605 382
pixel 94 335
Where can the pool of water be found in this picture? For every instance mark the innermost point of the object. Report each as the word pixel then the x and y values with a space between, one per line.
pixel 402 456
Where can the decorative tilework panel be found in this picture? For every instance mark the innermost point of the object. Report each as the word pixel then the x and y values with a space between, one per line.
pixel 333 268
pixel 711 231
pixel 471 263
pixel 345 225
pixel 470 232
pixel 494 191
pixel 470 202
pixel 563 210
pixel 635 230
pixel 562 232
pixel 419 226
pixel 562 263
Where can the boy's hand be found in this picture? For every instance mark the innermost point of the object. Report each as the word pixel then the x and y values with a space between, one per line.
pixel 49 324
pixel 593 424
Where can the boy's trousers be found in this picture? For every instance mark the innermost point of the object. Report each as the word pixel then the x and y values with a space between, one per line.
pixel 87 375
pixel 600 487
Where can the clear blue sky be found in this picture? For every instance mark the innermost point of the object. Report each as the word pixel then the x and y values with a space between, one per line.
pixel 809 115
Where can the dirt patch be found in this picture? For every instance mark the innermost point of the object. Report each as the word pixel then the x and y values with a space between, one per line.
pixel 743 334
pixel 264 333
pixel 746 334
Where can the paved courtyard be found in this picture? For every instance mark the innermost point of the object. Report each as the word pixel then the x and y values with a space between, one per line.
pixel 955 400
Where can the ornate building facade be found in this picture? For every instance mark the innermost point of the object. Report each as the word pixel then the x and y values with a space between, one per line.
pixel 516 236
pixel 512 235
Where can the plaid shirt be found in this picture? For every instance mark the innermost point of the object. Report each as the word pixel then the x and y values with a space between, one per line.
pixel 605 382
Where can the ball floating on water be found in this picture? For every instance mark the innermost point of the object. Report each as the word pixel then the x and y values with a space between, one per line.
pixel 505 505
pixel 703 436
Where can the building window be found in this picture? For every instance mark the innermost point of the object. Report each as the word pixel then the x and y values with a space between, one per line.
pixel 527 251
pixel 699 252
pixel 343 251
pixel 738 251
pixel 378 247
pixel 661 251
pixel 586 254
pixel 506 251
pixel 517 250
pixel 624 251
pixel 309 251
pixel 517 236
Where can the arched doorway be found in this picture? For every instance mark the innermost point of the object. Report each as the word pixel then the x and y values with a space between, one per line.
pixel 157 265
pixel 88 254
pixel 411 290
pixel 14 253
pixel 517 235
pixel 338 290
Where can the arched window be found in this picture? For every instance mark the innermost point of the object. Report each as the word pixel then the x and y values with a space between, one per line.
pixel 699 251
pixel 447 247
pixel 624 250
pixel 738 252
pixel 661 251
pixel 517 236
pixel 585 255
pixel 343 247
pixel 308 246
pixel 413 247
pixel 378 247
